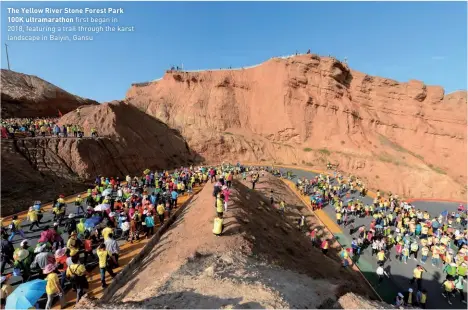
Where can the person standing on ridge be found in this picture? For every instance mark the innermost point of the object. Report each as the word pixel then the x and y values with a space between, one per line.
pixel 218 226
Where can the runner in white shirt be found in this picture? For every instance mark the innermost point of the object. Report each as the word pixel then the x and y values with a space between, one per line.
pixel 380 273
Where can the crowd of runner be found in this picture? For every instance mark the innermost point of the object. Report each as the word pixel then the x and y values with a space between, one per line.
pixel 222 177
pixel 398 229
pixel 41 127
pixel 116 210
pixel 112 210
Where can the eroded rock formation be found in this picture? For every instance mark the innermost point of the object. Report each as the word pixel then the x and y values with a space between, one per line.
pixel 308 110
pixel 26 95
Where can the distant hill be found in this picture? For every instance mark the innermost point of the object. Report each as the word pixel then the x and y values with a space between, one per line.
pixel 26 95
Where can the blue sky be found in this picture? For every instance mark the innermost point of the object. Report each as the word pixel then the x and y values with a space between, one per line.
pixel 400 40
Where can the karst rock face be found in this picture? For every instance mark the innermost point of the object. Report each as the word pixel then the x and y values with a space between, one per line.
pixel 26 95
pixel 307 110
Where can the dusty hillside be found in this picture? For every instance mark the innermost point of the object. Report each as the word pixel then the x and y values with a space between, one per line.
pixel 26 95
pixel 261 261
pixel 24 182
pixel 309 110
pixel 132 142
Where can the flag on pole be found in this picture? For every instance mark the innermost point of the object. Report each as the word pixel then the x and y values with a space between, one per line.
pixel 60 113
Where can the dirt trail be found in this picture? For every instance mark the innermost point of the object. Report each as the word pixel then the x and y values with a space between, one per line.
pixel 261 261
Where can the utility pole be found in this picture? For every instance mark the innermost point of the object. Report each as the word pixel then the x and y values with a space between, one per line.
pixel 8 60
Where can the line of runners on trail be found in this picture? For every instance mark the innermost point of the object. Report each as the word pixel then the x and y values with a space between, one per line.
pixel 397 228
pixel 14 127
pixel 221 178
pixel 110 211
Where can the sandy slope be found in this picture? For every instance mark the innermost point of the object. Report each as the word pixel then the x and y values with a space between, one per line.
pixel 261 261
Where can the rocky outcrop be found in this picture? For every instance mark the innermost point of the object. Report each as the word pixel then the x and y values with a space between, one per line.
pixel 309 110
pixel 133 141
pixel 32 172
pixel 130 142
pixel 26 95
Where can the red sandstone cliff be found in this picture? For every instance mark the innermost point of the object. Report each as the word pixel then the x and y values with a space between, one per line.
pixel 405 137
pixel 26 95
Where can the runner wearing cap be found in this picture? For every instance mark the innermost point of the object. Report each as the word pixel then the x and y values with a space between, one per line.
pixel 399 300
pixel 409 297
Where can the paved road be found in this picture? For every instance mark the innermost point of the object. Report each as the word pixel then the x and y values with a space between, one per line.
pixel 33 236
pixel 400 272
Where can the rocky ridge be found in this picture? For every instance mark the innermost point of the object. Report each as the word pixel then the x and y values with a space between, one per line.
pixel 308 110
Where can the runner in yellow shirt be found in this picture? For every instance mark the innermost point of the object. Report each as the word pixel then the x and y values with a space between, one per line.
pixel 53 288
pixel 33 218
pixel 104 257
pixel 106 231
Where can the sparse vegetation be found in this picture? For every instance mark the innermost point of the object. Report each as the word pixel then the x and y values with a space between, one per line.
pixel 356 115
pixel 386 158
pixel 437 169
pixel 385 141
pixel 342 142
pixel 309 164
pixel 228 133
pixel 377 176
pixel 307 149
pixel 324 151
